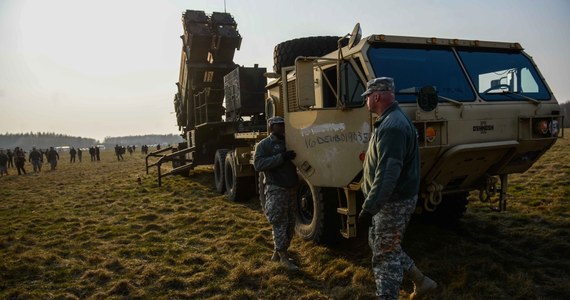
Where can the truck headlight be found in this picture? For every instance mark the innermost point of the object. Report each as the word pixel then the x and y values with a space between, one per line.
pixel 542 127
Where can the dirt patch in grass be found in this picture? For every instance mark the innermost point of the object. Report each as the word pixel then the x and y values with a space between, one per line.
pixel 90 231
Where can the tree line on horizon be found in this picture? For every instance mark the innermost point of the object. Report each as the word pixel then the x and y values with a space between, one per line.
pixel 43 140
pixel 139 140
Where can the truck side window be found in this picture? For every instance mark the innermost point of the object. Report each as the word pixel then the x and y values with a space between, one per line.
pixel 329 99
pixel 351 87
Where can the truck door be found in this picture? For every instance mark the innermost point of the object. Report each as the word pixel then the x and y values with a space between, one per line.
pixel 330 134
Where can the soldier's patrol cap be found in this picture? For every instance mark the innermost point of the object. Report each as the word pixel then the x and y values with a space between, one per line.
pixel 275 120
pixel 379 84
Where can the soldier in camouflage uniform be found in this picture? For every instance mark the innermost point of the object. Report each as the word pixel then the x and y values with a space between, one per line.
pixel 36 158
pixel 3 163
pixel 274 161
pixel 53 157
pixel 390 186
pixel 20 160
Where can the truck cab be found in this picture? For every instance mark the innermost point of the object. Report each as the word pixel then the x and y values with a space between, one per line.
pixel 482 111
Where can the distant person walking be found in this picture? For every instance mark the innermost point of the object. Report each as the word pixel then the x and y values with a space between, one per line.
pixel 36 159
pixel 79 154
pixel 92 153
pixel 3 163
pixel 10 155
pixel 97 153
pixel 119 152
pixel 53 157
pixel 72 153
pixel 20 160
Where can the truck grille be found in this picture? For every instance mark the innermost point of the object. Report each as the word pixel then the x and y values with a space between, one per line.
pixel 292 103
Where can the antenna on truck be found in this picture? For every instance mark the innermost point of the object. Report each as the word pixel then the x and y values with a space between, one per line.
pixel 355 36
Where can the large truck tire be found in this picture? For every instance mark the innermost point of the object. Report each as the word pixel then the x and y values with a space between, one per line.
pixel 219 166
pixel 310 212
pixel 285 53
pixel 237 188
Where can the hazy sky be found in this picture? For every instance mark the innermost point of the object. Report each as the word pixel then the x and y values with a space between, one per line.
pixel 108 67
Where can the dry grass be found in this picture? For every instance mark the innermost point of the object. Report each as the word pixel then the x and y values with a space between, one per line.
pixel 89 231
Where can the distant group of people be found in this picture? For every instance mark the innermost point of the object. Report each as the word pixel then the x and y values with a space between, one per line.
pixel 17 159
pixel 120 150
pixel 144 149
pixel 95 153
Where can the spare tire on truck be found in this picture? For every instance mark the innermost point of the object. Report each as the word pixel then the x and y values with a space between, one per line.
pixel 285 53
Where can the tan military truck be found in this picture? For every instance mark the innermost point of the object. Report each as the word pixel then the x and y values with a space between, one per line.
pixel 482 111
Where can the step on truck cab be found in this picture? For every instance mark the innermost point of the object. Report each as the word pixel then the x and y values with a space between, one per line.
pixel 482 111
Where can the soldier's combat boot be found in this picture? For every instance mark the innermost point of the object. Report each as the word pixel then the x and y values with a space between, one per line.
pixel 275 256
pixel 423 285
pixel 285 260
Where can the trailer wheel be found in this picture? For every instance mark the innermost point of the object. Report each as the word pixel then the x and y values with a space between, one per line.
pixel 261 190
pixel 219 166
pixel 237 188
pixel 310 212
pixel 285 53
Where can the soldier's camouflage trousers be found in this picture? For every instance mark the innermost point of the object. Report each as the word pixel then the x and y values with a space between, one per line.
pixel 280 212
pixel 385 237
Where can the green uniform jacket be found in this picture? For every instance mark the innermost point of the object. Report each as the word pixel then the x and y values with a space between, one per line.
pixel 392 163
pixel 35 155
pixel 269 160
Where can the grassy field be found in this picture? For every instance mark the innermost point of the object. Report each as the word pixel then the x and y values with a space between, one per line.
pixel 90 231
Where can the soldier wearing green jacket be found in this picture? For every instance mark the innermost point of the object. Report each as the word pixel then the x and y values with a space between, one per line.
pixel 272 158
pixel 53 157
pixel 35 158
pixel 390 186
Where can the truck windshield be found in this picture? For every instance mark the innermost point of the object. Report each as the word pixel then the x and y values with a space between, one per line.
pixel 414 68
pixel 503 75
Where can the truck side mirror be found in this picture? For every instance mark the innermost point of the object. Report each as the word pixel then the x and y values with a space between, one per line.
pixel 305 82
